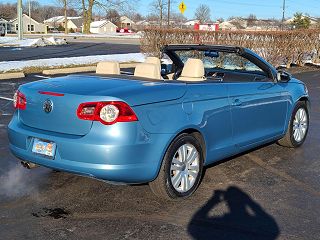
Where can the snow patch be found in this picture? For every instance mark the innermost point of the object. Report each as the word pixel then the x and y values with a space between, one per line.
pixel 28 42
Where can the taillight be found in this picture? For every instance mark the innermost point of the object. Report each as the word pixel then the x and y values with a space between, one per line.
pixel 106 112
pixel 19 100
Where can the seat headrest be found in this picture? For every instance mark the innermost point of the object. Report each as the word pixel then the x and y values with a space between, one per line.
pixel 147 70
pixel 193 70
pixel 153 60
pixel 108 68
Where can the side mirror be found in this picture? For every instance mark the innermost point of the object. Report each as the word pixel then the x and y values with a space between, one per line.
pixel 283 76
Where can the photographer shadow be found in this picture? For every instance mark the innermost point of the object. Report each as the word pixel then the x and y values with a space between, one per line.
pixel 245 219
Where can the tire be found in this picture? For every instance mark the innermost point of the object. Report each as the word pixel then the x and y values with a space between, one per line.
pixel 180 174
pixel 292 139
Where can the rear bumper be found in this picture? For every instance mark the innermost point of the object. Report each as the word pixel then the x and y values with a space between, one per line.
pixel 122 153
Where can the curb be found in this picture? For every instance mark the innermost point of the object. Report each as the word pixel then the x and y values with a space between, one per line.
pixel 5 76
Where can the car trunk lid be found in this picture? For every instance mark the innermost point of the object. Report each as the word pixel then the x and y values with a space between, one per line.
pixel 65 94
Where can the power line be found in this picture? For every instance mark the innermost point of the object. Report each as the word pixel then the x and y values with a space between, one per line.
pixel 250 4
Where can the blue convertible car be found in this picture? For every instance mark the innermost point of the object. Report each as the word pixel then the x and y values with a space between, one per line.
pixel 196 105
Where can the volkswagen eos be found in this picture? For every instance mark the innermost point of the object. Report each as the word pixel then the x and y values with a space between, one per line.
pixel 163 124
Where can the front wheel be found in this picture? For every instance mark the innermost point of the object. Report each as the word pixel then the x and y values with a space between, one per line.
pixel 298 127
pixel 181 169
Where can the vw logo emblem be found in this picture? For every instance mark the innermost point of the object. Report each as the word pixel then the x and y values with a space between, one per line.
pixel 47 106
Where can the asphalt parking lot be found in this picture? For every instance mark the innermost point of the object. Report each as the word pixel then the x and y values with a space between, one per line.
pixel 268 193
pixel 74 48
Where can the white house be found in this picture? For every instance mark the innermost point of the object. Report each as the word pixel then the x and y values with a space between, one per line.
pixel 226 25
pixel 103 26
pixel 74 23
pixel 191 22
pixel 142 23
pixel 126 22
pixel 6 26
pixel 29 25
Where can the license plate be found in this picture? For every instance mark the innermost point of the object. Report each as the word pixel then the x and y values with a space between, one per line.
pixel 44 147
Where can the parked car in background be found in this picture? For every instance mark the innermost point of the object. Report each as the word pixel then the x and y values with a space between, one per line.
pixel 163 124
pixel 124 30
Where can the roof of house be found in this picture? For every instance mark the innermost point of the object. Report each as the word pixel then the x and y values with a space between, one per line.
pixel 25 15
pixel 77 21
pixel 125 19
pixel 98 24
pixel 192 21
pixel 143 22
pixel 226 24
pixel 59 19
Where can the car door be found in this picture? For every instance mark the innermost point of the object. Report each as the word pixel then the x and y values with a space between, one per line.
pixel 211 113
pixel 258 109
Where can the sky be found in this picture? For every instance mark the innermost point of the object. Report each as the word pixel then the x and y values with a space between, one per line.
pixel 227 8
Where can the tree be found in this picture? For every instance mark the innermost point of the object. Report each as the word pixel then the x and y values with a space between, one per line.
pixel 203 13
pixel 300 21
pixel 8 11
pixel 251 19
pixel 65 8
pixel 87 9
pixel 220 20
pixel 113 16
pixel 159 8
pixel 178 17
pixel 136 17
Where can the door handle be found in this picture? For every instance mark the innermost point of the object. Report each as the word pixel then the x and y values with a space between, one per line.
pixel 236 102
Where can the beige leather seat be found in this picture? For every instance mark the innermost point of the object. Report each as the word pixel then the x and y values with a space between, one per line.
pixel 108 68
pixel 193 70
pixel 154 60
pixel 147 70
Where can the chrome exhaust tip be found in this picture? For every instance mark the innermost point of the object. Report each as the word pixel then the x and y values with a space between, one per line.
pixel 29 165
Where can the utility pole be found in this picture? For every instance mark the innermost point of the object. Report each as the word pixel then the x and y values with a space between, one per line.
pixel 30 16
pixel 169 12
pixel 19 14
pixel 283 12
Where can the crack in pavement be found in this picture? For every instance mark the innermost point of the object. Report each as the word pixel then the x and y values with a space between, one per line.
pixel 283 175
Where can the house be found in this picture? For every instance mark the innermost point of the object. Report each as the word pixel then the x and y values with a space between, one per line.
pixel 6 25
pixel 103 26
pixel 29 25
pixel 126 22
pixel 142 23
pixel 191 22
pixel 74 23
pixel 226 25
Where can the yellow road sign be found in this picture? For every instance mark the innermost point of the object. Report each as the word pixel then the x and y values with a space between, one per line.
pixel 182 7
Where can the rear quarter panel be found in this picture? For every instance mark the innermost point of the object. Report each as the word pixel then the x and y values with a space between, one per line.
pixel 204 107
